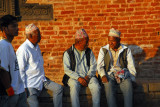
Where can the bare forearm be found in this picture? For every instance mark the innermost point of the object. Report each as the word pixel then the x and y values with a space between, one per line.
pixel 5 78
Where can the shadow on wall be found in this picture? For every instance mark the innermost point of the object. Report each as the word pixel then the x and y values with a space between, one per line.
pixel 147 69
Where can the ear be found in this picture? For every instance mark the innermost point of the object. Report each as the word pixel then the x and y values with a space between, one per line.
pixel 30 35
pixel 5 30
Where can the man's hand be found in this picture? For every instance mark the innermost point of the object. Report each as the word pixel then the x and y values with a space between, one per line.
pixel 82 81
pixel 104 79
pixel 10 91
pixel 26 92
pixel 87 78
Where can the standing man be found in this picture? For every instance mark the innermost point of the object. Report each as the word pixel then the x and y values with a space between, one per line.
pixel 80 69
pixel 31 68
pixel 116 67
pixel 12 93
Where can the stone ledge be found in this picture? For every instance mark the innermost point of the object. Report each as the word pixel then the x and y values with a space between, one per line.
pixel 145 95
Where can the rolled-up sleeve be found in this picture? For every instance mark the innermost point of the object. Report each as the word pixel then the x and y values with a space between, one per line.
pixel 67 67
pixel 101 65
pixel 93 65
pixel 131 65
pixel 22 57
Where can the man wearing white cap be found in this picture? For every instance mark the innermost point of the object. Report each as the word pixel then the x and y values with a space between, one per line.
pixel 116 67
pixel 31 69
pixel 80 69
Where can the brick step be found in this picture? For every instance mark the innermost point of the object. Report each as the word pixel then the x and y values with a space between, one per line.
pixel 145 95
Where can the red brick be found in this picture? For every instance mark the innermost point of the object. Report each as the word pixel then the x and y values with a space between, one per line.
pixel 152 25
pixel 55 23
pixel 118 22
pixel 87 19
pixel 66 28
pixel 130 35
pixel 63 33
pixel 49 33
pixel 67 12
pixel 94 11
pixel 99 19
pixel 49 45
pixel 120 10
pixel 135 5
pixel 79 7
pixel 122 18
pixel 113 6
pixel 134 31
pixel 93 2
pixel 136 17
pixel 46 28
pixel 95 23
pixel 81 11
pixel 140 22
pixel 148 30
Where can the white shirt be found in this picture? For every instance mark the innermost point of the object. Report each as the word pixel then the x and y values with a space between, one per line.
pixel 130 60
pixel 9 63
pixel 31 67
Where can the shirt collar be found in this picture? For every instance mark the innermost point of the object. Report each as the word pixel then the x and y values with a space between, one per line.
pixel 31 45
pixel 120 47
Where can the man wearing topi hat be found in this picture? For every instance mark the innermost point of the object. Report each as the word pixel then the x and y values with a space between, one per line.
pixel 31 69
pixel 80 69
pixel 116 68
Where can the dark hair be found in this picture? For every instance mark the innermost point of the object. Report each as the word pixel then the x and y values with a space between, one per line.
pixel 6 20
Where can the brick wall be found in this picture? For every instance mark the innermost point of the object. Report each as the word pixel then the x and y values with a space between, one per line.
pixel 138 20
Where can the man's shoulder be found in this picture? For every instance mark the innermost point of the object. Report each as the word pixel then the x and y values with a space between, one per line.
pixel 4 45
pixel 124 46
pixel 23 48
pixel 24 45
pixel 105 48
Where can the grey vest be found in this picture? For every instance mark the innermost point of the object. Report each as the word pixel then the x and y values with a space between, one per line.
pixel 107 60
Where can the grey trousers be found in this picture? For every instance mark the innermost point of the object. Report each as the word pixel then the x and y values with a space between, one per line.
pixel 75 87
pixel 17 100
pixel 126 88
pixel 57 89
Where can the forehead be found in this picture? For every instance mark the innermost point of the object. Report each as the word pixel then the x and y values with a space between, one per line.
pixel 111 38
pixel 14 23
pixel 36 31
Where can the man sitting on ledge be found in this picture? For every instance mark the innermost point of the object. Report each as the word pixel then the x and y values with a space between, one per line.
pixel 80 69
pixel 31 69
pixel 116 67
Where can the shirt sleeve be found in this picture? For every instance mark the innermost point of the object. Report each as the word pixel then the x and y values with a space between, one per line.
pixel 101 65
pixel 22 58
pixel 67 67
pixel 4 58
pixel 93 65
pixel 131 65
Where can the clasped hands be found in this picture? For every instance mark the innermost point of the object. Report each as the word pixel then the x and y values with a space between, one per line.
pixel 84 81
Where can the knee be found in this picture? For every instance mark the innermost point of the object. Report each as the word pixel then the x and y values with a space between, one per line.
pixel 59 88
pixel 96 87
pixel 74 87
pixel 127 83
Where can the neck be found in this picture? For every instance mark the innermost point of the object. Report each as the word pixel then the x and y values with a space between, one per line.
pixel 32 42
pixel 78 47
pixel 8 37
pixel 116 48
